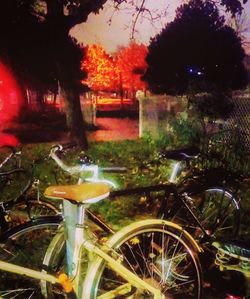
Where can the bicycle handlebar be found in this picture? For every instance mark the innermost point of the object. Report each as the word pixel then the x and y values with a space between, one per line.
pixel 114 169
pixel 78 169
pixel 15 152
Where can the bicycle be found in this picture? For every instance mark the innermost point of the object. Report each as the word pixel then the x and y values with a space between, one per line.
pixel 208 194
pixel 148 259
pixel 25 224
pixel 20 206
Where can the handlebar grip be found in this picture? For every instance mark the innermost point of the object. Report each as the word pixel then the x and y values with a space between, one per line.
pixel 114 169
pixel 68 145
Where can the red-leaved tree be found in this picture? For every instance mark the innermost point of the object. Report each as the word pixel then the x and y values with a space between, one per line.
pixel 131 65
pixel 101 69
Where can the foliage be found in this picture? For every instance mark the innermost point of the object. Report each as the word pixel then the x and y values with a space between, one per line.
pixel 196 50
pixel 214 105
pixel 186 130
pixel 131 65
pixel 232 6
pixel 102 71
pixel 182 129
pixel 120 72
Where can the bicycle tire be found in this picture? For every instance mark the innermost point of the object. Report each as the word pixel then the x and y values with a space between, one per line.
pixel 216 208
pixel 175 269
pixel 54 262
pixel 25 245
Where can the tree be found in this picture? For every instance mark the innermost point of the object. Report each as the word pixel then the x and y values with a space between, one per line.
pixel 40 52
pixel 131 65
pixel 101 69
pixel 196 51
pixel 119 73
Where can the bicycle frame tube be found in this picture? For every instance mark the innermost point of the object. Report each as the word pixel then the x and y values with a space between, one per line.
pixel 78 241
pixel 179 202
pixel 28 272
pixel 177 167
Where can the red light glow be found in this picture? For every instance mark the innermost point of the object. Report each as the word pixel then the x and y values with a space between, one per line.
pixel 228 296
pixel 10 98
pixel 8 140
pixel 10 103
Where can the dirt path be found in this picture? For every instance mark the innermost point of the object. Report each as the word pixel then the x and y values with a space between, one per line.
pixel 108 128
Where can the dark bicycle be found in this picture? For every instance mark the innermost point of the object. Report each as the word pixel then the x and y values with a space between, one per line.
pixel 18 204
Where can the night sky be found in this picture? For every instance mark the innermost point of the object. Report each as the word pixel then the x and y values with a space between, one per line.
pixel 99 30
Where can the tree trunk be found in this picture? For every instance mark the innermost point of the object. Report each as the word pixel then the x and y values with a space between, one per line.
pixel 74 118
pixel 40 100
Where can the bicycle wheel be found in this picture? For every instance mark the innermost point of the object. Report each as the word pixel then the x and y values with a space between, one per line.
pixel 218 211
pixel 159 252
pixel 25 245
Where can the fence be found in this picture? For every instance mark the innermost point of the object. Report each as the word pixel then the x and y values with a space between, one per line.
pixel 229 144
pixel 88 107
pixel 154 113
pixel 240 119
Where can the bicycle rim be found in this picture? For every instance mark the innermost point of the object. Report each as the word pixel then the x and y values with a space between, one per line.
pixel 25 245
pixel 159 254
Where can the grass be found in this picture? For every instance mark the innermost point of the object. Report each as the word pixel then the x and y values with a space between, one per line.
pixel 139 156
pixel 135 155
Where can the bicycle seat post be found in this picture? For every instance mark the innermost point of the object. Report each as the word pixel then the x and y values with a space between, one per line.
pixel 74 222
pixel 70 212
pixel 177 167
